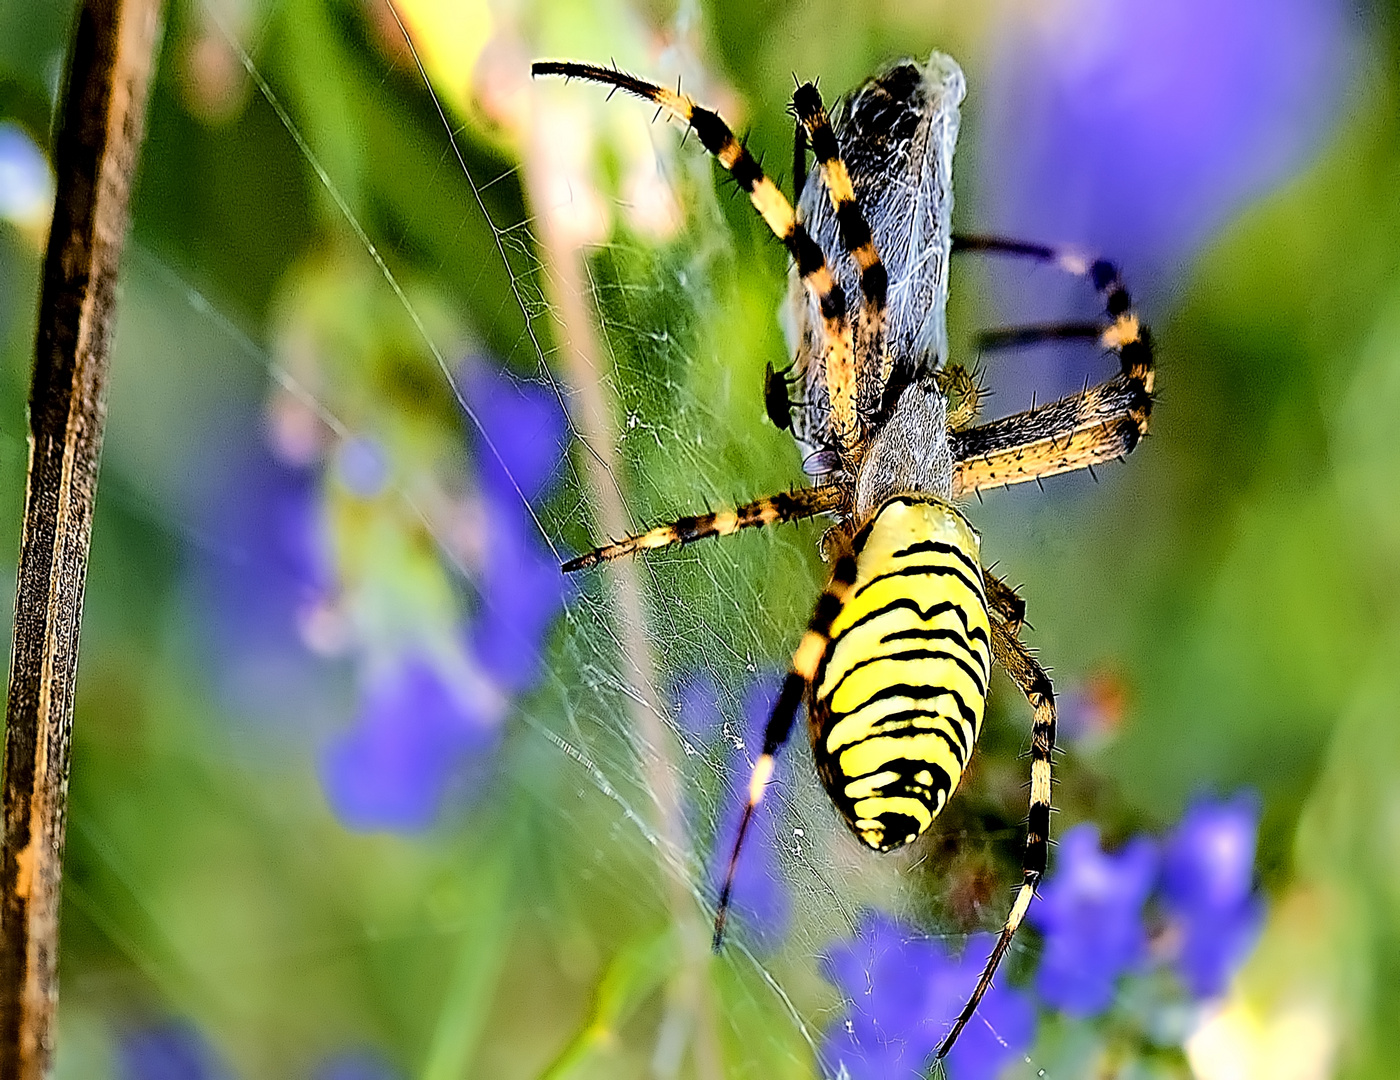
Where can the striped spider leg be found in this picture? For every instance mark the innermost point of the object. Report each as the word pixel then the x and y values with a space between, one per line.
pixel 770 510
pixel 814 124
pixel 1081 430
pixel 1009 612
pixel 800 676
pixel 776 211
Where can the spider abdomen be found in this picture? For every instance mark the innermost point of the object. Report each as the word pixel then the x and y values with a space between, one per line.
pixel 899 696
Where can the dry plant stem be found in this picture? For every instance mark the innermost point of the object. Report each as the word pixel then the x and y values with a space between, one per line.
pixel 689 1018
pixel 98 141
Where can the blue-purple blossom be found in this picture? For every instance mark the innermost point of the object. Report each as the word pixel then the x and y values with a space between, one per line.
pixel 520 591
pixel 362 1064
pixel 426 725
pixel 1090 913
pixel 1139 127
pixel 260 569
pixel 518 431
pixel 414 736
pixel 26 184
pixel 519 449
pixel 697 712
pixel 173 1050
pixel 904 992
pixel 1208 890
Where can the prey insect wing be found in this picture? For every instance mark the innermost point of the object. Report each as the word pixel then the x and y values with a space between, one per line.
pixel 896 134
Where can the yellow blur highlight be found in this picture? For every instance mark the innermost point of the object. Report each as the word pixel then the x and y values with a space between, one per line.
pixel 448 36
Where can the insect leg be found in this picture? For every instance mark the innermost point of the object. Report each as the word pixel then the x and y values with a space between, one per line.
pixel 1027 674
pixel 805 662
pixel 770 510
pixel 771 204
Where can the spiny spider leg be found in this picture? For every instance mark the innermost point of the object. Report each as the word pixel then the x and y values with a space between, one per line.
pixel 856 237
pixel 1100 424
pixel 771 204
pixel 805 662
pixel 770 510
pixel 1012 654
pixel 1077 432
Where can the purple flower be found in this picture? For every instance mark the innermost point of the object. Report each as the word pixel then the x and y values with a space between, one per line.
pixel 518 431
pixel 422 733
pixel 520 590
pixel 519 450
pixel 258 572
pixel 363 1064
pixel 1090 911
pixel 1139 127
pixel 173 1050
pixel 905 991
pixel 415 735
pixel 26 184
pixel 1208 890
pixel 697 711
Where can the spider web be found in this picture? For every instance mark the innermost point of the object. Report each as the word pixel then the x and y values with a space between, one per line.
pixel 663 388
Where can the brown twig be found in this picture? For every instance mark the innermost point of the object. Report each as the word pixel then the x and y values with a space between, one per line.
pixel 95 158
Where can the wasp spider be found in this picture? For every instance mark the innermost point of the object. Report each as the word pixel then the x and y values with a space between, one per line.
pixel 895 662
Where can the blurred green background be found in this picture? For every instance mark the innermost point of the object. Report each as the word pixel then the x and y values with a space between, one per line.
pixel 324 250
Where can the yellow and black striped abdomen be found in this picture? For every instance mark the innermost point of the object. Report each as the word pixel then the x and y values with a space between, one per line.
pixel 900 692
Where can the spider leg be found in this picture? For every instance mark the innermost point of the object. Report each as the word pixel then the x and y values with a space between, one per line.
pixel 805 662
pixel 770 202
pixel 956 381
pixel 770 510
pixel 1066 259
pixel 799 161
pixel 1027 674
pixel 1013 337
pixel 1006 602
pixel 1100 424
pixel 1125 336
pixel 856 237
pixel 1077 432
